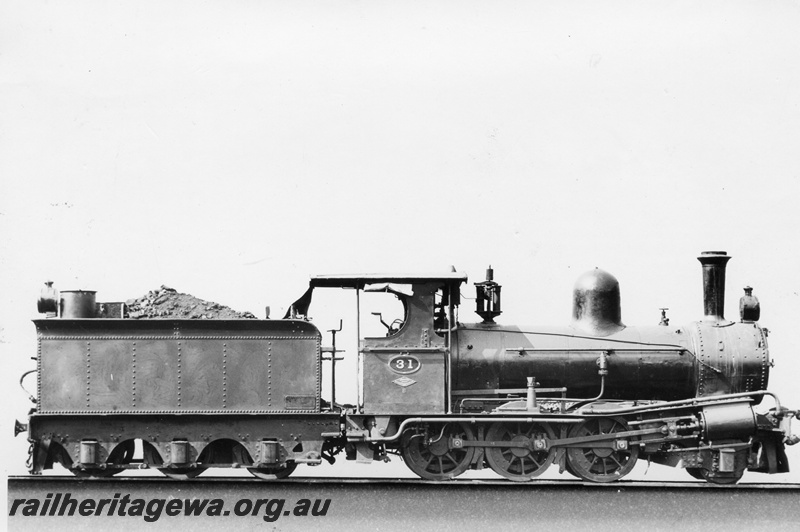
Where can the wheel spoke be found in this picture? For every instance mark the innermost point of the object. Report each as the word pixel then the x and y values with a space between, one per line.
pixel 518 462
pixel 601 464
pixel 435 461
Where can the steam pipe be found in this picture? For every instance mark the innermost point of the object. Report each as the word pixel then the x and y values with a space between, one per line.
pixel 471 420
pixel 698 401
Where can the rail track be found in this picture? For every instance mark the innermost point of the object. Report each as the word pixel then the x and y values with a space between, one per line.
pixel 28 480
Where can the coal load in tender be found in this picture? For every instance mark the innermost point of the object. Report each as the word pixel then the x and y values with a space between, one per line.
pixel 168 303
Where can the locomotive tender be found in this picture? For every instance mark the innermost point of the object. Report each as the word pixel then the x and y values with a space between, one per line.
pixel 592 397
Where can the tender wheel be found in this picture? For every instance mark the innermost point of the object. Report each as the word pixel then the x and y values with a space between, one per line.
pixel 435 451
pixel 121 455
pixel 95 472
pixel 182 473
pixel 152 459
pixel 273 473
pixel 603 462
pixel 519 463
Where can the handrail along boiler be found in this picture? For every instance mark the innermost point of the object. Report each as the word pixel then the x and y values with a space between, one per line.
pixel 591 397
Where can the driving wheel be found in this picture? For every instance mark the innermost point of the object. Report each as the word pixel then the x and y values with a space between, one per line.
pixel 516 456
pixel 602 461
pixel 436 452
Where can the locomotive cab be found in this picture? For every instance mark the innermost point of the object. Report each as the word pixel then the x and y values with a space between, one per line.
pixel 405 371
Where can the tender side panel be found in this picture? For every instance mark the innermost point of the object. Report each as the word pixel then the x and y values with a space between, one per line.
pixel 205 374
pixel 62 375
pixel 156 374
pixel 119 366
pixel 294 373
pixel 110 374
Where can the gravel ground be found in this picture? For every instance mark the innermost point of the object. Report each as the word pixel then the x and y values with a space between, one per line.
pixel 167 302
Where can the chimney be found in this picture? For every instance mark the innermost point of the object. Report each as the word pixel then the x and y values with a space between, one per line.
pixel 714 284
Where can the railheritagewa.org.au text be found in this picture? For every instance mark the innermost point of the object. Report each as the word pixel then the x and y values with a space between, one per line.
pixel 152 509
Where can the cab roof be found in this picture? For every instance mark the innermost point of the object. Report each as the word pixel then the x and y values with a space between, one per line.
pixel 361 280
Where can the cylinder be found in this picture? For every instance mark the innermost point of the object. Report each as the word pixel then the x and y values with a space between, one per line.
pixel 88 454
pixel 269 452
pixel 729 421
pixel 714 284
pixel 77 304
pixel 179 452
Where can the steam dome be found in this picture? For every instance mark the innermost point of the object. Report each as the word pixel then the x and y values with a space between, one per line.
pixel 595 304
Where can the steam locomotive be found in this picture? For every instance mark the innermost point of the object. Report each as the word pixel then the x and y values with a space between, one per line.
pixel 591 397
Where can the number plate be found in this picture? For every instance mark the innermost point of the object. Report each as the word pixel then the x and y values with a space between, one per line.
pixel 405 364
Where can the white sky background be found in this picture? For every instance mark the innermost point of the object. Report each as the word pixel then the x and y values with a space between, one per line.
pixel 233 149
